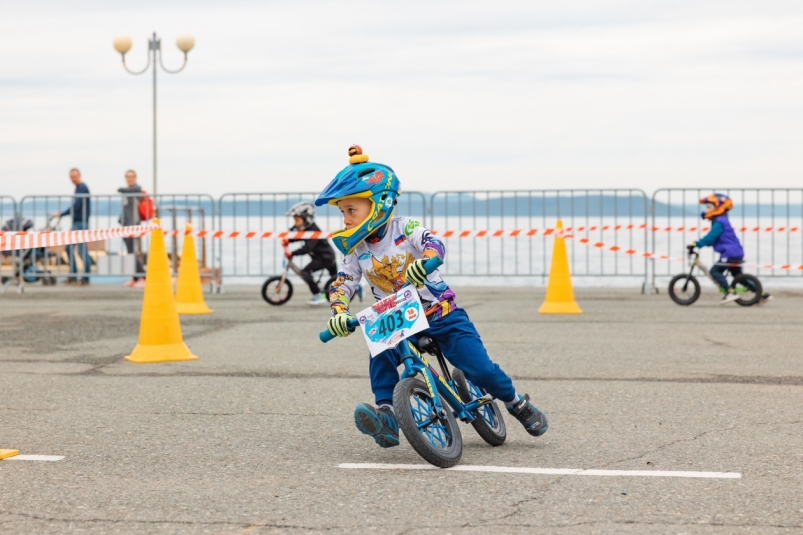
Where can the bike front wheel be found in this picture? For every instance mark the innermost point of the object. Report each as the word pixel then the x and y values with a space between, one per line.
pixel 434 436
pixel 684 293
pixel 488 422
pixel 748 288
pixel 275 292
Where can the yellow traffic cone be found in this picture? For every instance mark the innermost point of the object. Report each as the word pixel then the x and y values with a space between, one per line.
pixel 559 294
pixel 5 454
pixel 159 330
pixel 189 295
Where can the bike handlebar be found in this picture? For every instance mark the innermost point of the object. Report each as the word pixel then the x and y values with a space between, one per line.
pixel 429 266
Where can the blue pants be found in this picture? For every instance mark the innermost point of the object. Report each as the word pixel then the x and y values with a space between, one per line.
pixel 461 345
pixel 718 272
pixel 82 250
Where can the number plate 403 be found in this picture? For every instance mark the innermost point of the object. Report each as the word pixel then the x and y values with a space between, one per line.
pixel 391 320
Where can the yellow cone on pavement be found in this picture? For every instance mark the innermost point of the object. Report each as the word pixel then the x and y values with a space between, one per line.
pixel 160 337
pixel 189 294
pixel 5 454
pixel 559 293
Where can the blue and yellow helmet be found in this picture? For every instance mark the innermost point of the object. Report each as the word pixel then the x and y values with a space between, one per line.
pixel 366 180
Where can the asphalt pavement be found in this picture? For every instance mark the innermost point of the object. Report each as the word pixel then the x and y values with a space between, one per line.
pixel 250 438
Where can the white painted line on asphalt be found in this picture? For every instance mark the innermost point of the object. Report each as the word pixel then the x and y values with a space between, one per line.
pixel 50 458
pixel 546 471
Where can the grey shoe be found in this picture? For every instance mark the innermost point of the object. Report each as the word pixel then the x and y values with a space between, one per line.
pixel 728 297
pixel 318 299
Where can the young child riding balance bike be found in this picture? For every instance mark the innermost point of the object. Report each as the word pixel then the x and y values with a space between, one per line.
pixel 391 251
pixel 723 239
pixel 321 253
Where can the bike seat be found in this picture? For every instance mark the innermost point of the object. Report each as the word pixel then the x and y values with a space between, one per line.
pixel 427 344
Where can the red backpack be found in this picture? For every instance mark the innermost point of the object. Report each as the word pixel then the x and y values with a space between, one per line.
pixel 146 210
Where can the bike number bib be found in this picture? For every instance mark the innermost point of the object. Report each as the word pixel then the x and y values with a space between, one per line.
pixel 392 319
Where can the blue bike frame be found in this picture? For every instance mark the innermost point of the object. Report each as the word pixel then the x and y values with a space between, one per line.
pixel 416 363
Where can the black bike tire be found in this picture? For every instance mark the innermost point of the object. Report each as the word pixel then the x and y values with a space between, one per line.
pixel 759 290
pixel 694 283
pixel 494 437
pixel 329 283
pixel 278 301
pixel 442 458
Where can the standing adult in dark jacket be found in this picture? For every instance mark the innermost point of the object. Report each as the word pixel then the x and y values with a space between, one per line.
pixel 321 253
pixel 130 217
pixel 79 210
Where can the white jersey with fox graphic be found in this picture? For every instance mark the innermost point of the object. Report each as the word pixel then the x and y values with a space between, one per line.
pixel 385 262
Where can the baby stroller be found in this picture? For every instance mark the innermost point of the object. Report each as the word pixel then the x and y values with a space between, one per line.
pixel 29 265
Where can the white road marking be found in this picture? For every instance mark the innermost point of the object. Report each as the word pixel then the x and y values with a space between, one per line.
pixel 546 471
pixel 50 458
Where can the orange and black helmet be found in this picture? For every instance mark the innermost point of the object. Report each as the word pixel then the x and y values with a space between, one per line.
pixel 718 204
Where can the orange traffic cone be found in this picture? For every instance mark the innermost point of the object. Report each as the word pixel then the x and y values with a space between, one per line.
pixel 5 454
pixel 159 329
pixel 189 294
pixel 559 293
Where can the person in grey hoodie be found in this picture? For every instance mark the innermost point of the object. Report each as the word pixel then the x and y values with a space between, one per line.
pixel 129 217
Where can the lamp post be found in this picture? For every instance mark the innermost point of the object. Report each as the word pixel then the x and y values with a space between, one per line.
pixel 185 43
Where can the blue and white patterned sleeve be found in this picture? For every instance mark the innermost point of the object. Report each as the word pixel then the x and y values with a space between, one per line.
pixel 422 240
pixel 343 288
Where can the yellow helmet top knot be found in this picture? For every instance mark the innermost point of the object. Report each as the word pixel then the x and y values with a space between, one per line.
pixel 356 155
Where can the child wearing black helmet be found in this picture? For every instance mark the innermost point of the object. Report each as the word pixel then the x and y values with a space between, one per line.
pixel 390 251
pixel 321 254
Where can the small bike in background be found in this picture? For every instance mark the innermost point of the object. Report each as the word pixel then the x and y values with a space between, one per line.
pixel 278 290
pixel 30 265
pixel 684 289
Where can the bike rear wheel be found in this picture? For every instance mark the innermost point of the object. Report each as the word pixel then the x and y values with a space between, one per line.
pixel 435 437
pixel 681 293
pixel 742 286
pixel 276 293
pixel 488 422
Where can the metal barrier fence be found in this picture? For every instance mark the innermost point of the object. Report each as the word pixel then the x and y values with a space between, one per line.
pixel 109 258
pixel 768 222
pixel 8 208
pixel 615 216
pixel 265 212
pixel 8 211
pixel 8 259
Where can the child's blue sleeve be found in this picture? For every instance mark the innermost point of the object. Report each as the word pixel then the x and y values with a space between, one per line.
pixel 709 239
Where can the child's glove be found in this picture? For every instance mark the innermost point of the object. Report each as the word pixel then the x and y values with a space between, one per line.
pixel 285 242
pixel 416 273
pixel 338 325
pixel 288 254
pixel 691 246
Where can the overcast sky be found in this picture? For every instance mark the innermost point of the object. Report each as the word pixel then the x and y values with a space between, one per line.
pixel 453 95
